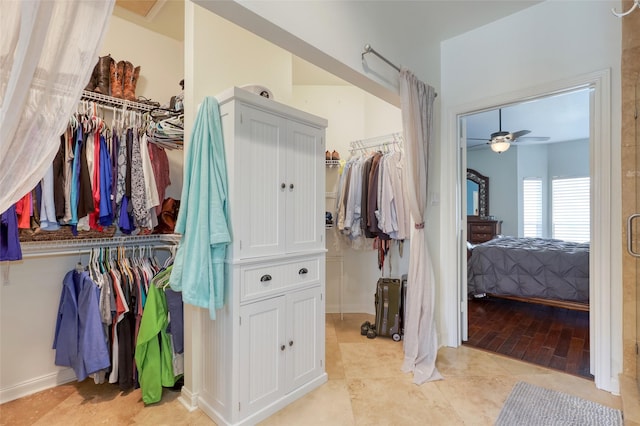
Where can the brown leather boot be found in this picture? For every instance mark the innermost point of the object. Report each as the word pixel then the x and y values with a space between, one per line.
pixel 104 75
pixel 131 76
pixel 117 79
pixel 93 80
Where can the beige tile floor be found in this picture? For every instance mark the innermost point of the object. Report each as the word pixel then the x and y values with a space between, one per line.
pixel 365 387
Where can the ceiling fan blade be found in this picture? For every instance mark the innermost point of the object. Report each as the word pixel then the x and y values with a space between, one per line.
pixel 534 139
pixel 478 139
pixel 516 135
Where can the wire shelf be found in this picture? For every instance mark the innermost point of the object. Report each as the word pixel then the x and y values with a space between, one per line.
pixel 115 102
pixel 61 247
pixel 377 142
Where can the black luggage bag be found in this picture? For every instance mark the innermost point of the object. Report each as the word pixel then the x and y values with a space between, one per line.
pixel 389 308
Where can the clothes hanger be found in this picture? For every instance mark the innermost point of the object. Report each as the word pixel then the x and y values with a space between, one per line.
pixel 79 267
pixel 73 121
pixel 171 258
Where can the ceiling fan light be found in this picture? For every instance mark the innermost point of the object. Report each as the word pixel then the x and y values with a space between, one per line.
pixel 500 146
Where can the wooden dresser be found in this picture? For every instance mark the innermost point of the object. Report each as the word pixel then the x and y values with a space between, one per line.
pixel 481 230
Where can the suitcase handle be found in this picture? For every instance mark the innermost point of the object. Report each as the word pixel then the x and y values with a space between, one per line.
pixel 265 278
pixel 303 271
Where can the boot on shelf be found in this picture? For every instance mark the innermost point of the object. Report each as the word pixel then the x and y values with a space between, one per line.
pixel 131 76
pixel 104 75
pixel 93 80
pixel 117 79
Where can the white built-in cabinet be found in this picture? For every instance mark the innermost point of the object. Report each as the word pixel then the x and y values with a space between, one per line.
pixel 279 175
pixel 266 347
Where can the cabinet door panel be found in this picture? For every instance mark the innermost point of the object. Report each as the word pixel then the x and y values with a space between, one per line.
pixel 305 201
pixel 263 358
pixel 303 357
pixel 261 150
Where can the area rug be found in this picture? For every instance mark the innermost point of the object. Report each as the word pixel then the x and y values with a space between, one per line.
pixel 530 405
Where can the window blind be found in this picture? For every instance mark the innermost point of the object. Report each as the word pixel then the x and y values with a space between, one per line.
pixel 570 209
pixel 532 208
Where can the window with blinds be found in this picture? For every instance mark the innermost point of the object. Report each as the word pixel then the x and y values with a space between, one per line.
pixel 532 208
pixel 570 209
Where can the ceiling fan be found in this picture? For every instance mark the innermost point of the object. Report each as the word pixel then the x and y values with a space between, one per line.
pixel 501 140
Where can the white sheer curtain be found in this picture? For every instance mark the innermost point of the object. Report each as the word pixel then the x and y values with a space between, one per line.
pixel 47 52
pixel 420 338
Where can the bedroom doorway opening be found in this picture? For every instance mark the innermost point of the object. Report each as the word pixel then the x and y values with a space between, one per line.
pixel 524 297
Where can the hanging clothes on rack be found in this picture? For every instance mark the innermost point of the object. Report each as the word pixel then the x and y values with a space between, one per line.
pixel 101 176
pixel 79 341
pixel 9 237
pixel 104 313
pixel 154 352
pixel 371 200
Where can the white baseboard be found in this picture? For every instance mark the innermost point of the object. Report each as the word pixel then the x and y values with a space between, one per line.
pixel 188 399
pixel 268 410
pixel 37 384
pixel 351 309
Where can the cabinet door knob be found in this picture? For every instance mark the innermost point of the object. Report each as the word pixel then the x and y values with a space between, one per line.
pixel 290 186
pixel 303 271
pixel 282 347
pixel 283 185
pixel 290 342
pixel 265 278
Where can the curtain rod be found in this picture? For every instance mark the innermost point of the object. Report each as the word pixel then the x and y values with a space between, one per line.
pixel 369 49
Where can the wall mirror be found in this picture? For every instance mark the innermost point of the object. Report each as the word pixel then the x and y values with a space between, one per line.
pixel 477 194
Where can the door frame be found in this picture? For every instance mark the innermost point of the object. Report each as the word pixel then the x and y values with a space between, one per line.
pixel 605 282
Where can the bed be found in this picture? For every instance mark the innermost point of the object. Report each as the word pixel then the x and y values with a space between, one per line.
pixel 552 272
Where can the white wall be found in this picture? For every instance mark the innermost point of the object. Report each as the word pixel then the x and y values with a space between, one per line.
pixel 352 115
pixel 29 300
pixel 548 43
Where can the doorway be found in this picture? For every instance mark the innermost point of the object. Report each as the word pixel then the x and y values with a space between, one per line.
pixel 603 288
pixel 542 155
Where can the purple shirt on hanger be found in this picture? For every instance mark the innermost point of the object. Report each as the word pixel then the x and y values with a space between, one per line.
pixel 9 235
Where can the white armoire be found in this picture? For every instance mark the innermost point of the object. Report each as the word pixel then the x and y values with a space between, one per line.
pixel 266 347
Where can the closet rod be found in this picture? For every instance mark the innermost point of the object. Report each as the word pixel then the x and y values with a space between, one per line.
pixel 111 101
pixel 61 247
pixel 369 49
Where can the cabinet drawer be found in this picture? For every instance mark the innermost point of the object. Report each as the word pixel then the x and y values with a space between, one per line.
pixel 480 237
pixel 265 279
pixel 305 271
pixel 480 229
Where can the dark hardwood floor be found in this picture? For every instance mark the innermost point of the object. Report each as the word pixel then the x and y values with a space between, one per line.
pixel 552 337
